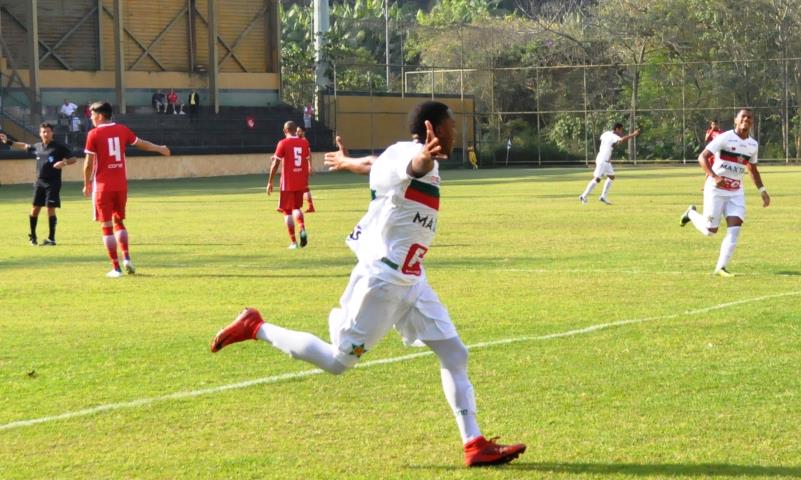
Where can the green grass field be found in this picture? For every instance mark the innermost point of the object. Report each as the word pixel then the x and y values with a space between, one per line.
pixel 703 382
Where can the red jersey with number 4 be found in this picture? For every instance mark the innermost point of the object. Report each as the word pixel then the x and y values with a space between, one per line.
pixel 107 142
pixel 294 153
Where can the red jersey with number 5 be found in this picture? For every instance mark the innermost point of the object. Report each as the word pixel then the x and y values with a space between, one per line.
pixel 107 142
pixel 294 154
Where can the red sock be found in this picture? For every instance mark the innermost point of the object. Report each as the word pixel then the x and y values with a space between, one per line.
pixel 298 215
pixel 111 246
pixel 121 234
pixel 290 226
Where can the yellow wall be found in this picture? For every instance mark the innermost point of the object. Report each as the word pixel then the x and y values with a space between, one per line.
pixel 373 123
pixel 142 168
pixel 63 79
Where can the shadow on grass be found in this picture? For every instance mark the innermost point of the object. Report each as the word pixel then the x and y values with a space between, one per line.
pixel 642 469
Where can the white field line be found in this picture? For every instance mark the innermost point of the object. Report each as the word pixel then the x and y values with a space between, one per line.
pixel 307 373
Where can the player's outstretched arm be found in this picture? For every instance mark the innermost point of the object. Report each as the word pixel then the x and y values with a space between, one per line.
pixel 14 145
pixel 757 178
pixel 152 147
pixel 626 138
pixel 340 161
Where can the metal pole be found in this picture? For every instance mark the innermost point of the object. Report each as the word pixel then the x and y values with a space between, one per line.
pixel 683 116
pixel 214 100
pixel 586 120
pixel 99 37
pixel 119 53
pixel 433 84
pixel 537 100
pixel 386 38
pixel 786 114
pixel 33 60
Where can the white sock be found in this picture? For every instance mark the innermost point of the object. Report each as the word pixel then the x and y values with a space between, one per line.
pixel 457 387
pixel 607 187
pixel 699 223
pixel 590 188
pixel 303 346
pixel 727 247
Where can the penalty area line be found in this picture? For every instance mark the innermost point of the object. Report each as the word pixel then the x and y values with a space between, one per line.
pixel 308 373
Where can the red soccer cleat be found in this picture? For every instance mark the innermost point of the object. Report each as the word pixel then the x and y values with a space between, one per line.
pixel 480 451
pixel 244 327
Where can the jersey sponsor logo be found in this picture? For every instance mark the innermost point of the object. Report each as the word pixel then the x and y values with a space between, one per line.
pixel 730 184
pixel 426 221
pixel 114 165
pixel 413 264
pixel 424 193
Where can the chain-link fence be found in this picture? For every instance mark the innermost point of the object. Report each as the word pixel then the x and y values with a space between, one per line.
pixel 555 114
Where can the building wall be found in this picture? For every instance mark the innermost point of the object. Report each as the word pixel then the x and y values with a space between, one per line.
pixel 374 122
pixel 173 33
pixel 143 168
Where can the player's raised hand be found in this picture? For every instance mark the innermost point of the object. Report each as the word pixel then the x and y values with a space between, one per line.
pixel 336 161
pixel 433 147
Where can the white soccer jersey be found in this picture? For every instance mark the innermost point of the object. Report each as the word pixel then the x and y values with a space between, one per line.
pixel 608 141
pixel 397 231
pixel 732 154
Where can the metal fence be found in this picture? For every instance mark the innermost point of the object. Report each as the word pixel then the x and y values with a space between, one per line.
pixel 555 114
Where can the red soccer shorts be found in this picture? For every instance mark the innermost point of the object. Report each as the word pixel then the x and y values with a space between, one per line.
pixel 109 205
pixel 290 200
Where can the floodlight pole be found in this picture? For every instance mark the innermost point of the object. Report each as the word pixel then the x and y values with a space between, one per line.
pixel 386 38
pixel 119 57
pixel 213 69
pixel 33 60
pixel 321 28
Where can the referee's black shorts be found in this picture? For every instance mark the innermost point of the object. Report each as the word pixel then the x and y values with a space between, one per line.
pixel 47 194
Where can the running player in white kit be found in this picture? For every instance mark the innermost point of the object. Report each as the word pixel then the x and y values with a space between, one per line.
pixel 603 162
pixel 388 286
pixel 734 152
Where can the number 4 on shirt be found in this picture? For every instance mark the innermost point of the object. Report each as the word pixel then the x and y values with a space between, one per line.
pixel 114 149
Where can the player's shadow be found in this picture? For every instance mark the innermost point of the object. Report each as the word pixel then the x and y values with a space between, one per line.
pixel 660 470
pixel 789 273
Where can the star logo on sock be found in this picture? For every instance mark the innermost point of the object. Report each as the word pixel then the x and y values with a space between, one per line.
pixel 357 350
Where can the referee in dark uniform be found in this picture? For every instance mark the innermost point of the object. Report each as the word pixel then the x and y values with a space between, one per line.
pixel 51 157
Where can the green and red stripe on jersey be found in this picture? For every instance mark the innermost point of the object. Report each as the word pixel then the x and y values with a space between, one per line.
pixel 734 157
pixel 424 193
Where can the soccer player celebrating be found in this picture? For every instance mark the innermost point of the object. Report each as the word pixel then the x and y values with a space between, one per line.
pixel 388 286
pixel 104 179
pixel 292 156
pixel 603 162
pixel 51 157
pixel 734 152
pixel 307 196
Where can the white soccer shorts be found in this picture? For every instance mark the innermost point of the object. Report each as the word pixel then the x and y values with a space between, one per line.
pixel 603 168
pixel 370 307
pixel 717 206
